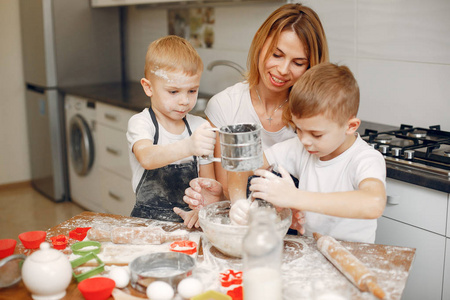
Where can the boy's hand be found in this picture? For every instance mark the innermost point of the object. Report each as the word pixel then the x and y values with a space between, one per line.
pixel 298 219
pixel 269 186
pixel 202 141
pixel 239 212
pixel 190 217
pixel 203 191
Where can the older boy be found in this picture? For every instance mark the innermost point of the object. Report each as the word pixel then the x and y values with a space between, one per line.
pixel 164 140
pixel 342 179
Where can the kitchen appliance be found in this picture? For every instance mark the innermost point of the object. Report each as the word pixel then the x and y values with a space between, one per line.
pixel 64 43
pixel 83 168
pixel 415 148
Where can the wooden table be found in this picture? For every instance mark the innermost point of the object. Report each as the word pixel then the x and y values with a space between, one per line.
pixel 304 267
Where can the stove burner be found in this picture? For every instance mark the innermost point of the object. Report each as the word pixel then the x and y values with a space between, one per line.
pixel 383 139
pixel 418 134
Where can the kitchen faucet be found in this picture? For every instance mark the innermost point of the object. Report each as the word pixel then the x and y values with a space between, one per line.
pixel 229 63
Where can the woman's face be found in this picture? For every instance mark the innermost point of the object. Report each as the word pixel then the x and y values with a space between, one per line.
pixel 286 63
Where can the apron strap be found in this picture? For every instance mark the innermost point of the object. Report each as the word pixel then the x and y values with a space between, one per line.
pixel 155 122
pixel 152 115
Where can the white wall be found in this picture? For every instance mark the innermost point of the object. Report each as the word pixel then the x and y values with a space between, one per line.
pixel 14 163
pixel 399 51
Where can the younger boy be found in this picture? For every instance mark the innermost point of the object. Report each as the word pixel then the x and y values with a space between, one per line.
pixel 165 142
pixel 342 179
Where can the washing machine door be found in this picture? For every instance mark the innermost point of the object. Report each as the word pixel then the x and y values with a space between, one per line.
pixel 81 145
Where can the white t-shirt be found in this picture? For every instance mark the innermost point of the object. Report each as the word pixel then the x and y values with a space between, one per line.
pixel 140 127
pixel 234 105
pixel 343 173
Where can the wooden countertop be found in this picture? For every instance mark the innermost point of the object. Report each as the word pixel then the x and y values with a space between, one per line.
pixel 303 264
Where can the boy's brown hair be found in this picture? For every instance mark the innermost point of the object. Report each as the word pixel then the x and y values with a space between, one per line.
pixel 172 53
pixel 326 89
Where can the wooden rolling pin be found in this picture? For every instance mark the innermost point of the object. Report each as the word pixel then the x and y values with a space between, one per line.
pixel 349 265
pixel 136 235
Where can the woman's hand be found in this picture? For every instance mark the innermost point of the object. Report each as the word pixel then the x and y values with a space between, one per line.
pixel 190 217
pixel 203 191
pixel 202 141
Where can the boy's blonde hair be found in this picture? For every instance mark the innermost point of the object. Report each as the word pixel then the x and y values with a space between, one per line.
pixel 172 53
pixel 295 17
pixel 326 89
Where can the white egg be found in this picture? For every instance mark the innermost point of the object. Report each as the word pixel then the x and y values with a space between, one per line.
pixel 190 287
pixel 121 276
pixel 160 290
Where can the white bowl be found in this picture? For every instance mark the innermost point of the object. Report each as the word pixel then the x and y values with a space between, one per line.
pixel 227 238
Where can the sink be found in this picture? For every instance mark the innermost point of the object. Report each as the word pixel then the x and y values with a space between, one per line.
pixel 200 106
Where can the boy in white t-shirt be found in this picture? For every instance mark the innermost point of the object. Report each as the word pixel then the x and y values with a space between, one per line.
pixel 165 142
pixel 342 178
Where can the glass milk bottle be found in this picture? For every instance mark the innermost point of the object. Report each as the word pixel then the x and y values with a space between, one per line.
pixel 262 256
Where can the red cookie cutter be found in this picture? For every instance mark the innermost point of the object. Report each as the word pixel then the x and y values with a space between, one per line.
pixel 59 242
pixel 230 277
pixel 79 233
pixel 236 294
pixel 186 247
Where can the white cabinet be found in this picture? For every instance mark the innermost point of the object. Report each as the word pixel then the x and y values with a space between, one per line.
pixel 115 173
pixel 446 290
pixel 417 217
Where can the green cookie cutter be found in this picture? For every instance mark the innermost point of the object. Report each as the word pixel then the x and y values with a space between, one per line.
pixel 84 259
pixel 77 248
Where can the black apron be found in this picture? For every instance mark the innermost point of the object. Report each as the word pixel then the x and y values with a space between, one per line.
pixel 162 189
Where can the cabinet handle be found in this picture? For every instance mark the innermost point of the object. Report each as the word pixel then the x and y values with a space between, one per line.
pixel 393 200
pixel 110 117
pixel 114 196
pixel 112 151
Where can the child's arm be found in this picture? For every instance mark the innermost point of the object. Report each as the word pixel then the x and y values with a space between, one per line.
pixel 367 202
pixel 150 156
pixel 237 183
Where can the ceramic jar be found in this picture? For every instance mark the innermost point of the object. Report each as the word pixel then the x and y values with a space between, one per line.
pixel 47 273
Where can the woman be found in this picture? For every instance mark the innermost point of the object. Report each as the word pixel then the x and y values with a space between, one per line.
pixel 288 43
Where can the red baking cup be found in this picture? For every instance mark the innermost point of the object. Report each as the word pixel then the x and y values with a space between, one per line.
pixel 32 239
pixel 96 288
pixel 7 247
pixel 59 242
pixel 79 233
pixel 186 247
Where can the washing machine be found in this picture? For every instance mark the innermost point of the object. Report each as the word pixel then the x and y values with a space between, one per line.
pixel 84 181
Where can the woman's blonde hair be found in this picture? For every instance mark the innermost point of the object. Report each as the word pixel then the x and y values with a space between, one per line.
pixel 298 18
pixel 326 89
pixel 172 53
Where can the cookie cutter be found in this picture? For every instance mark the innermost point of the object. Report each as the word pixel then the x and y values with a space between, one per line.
pixel 77 248
pixel 84 259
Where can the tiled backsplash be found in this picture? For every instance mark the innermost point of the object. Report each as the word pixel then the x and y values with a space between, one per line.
pixel 398 50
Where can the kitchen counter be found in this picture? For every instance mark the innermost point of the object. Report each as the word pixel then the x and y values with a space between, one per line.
pixel 302 266
pixel 131 96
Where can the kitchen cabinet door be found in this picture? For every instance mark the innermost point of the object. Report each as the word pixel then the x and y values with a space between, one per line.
pixel 425 277
pixel 117 194
pixel 113 151
pixel 446 290
pixel 415 205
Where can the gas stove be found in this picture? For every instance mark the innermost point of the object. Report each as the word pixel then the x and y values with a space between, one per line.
pixel 423 149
